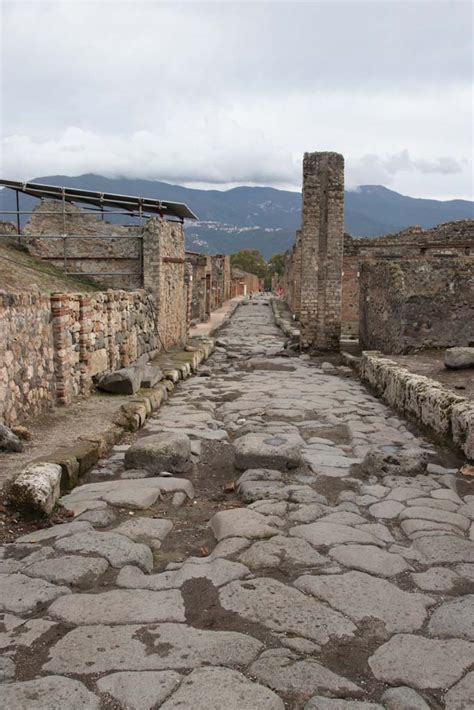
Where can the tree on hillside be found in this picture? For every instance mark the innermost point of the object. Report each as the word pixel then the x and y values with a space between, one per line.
pixel 251 261
pixel 276 264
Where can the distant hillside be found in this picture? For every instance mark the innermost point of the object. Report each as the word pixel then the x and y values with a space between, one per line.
pixel 265 218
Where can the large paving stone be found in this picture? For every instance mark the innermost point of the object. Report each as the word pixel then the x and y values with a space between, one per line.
pixel 151 531
pixel 278 451
pixel 20 594
pixel 317 702
pixel 242 522
pixel 99 649
pixel 454 618
pixel 56 532
pixel 438 516
pixel 461 695
pixel 18 632
pixel 217 571
pixel 368 558
pixel 137 690
pixel 323 534
pixel 49 693
pixel 285 609
pixel 435 579
pixel 217 688
pixel 281 550
pixel 160 452
pixel 68 569
pixel 420 662
pixel 386 461
pixel 119 606
pixel 361 596
pixel 282 671
pixel 403 698
pixel 387 509
pixel 7 669
pixel 445 548
pixel 117 549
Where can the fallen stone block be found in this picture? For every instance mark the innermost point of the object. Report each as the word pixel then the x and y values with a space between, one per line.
pixel 37 487
pixel 160 452
pixel 9 441
pixel 280 452
pixel 151 376
pixel 459 358
pixel 124 381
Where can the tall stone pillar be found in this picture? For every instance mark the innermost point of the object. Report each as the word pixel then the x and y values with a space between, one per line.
pixel 322 232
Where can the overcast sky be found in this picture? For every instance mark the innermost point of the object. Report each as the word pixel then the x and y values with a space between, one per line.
pixel 225 93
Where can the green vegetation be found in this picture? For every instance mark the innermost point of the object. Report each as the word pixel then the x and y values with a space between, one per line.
pixel 251 261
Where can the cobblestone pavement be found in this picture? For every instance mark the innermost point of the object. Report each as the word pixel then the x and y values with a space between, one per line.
pixel 318 583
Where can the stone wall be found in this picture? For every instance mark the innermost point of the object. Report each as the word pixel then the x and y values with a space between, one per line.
pixel 321 250
pixel 443 241
pixel 201 290
pixel 243 283
pixel 412 304
pixel 27 383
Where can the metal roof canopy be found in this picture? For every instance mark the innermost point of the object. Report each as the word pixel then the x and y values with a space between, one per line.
pixel 146 205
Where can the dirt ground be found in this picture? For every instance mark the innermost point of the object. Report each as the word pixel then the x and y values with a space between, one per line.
pixel 431 364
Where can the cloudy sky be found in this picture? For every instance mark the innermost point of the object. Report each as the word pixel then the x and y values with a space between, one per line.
pixel 223 93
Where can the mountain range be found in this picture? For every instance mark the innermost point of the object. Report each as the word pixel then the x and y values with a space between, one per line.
pixel 264 218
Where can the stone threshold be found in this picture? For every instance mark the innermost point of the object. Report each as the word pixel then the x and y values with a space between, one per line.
pixel 437 409
pixel 77 459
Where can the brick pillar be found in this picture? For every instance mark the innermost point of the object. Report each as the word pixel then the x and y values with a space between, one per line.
pixel 322 233
pixel 62 362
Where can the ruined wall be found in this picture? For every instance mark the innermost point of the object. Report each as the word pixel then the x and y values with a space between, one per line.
pixel 201 288
pixel 94 247
pixel 321 250
pixel 27 384
pixel 445 240
pixel 243 283
pixel 410 304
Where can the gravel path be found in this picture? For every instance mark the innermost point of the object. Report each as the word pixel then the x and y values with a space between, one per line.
pixel 273 568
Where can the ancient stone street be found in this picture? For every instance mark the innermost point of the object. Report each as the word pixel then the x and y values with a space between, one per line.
pixel 274 537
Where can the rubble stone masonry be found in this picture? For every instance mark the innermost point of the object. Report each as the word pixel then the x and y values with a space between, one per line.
pixel 322 232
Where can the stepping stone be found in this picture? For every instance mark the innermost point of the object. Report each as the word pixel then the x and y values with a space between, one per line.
pixel 369 559
pixel 242 522
pixel 117 549
pixel 403 698
pixel 284 672
pixel 421 662
pixel 20 594
pixel 319 534
pixel 461 695
pixel 140 690
pixel 454 618
pixel 160 452
pixel 361 596
pixel 51 692
pixel 280 452
pixel 100 649
pixel 217 688
pixel 282 608
pixel 218 572
pixel 119 606
pixel 68 569
pixel 281 550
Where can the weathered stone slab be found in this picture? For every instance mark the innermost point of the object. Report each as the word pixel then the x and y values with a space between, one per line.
pixel 56 531
pixel 216 688
pixel 386 461
pixel 160 452
pixel 439 516
pixel 51 692
pixel 435 579
pixel 283 608
pixel 37 487
pixel 387 509
pixel 321 534
pixel 217 571
pixel 124 381
pixel 361 596
pixel 454 618
pixel 282 670
pixel 140 690
pixel 99 649
pixel 20 594
pixel 18 632
pixel 403 698
pixel 68 569
pixel 445 548
pixel 459 358
pixel 420 662
pixel 119 606
pixel 281 550
pixel 7 669
pixel 368 558
pixel 117 549
pixel 280 451
pixel 151 531
pixel 242 522
pixel 461 695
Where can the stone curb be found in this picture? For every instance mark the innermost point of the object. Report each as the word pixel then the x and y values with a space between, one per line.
pixel 78 458
pixel 285 327
pixel 427 402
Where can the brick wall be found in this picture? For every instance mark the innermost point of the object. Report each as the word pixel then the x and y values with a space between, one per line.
pixel 321 250
pixel 411 304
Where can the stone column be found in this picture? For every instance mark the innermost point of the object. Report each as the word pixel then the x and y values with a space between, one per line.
pixel 322 233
